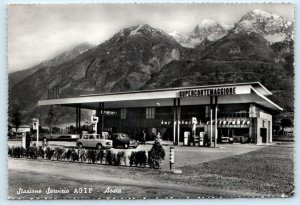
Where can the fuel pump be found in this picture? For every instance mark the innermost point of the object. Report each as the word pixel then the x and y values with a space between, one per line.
pixel 194 122
pixel 95 122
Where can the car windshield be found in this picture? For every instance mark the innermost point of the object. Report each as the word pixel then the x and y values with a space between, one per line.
pixel 120 136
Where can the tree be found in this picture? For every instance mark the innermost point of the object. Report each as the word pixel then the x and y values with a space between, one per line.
pixel 52 118
pixel 156 154
pixel 16 117
pixel 56 130
pixel 87 128
pixel 276 127
pixel 72 130
pixel 286 122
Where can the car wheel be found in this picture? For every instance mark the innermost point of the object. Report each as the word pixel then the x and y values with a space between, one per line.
pixel 125 146
pixel 80 146
pixel 99 146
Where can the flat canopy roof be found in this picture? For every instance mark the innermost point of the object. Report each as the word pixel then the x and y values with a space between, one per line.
pixel 253 92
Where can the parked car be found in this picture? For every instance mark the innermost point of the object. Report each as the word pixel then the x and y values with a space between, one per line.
pixel 123 140
pixel 94 141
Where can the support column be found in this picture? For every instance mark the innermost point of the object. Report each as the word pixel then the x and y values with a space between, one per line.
pixel 253 130
pixel 211 113
pixel 174 121
pixel 178 122
pixel 251 134
pixel 102 117
pixel 79 119
pixel 98 114
pixel 216 120
pixel 76 126
pixel 271 130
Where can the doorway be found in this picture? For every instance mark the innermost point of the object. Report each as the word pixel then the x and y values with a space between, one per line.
pixel 263 134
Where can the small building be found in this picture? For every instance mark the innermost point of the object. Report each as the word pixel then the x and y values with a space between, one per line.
pixel 239 110
pixel 21 129
pixel 13 132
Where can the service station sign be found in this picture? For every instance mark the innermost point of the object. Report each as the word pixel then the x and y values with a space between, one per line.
pixel 208 92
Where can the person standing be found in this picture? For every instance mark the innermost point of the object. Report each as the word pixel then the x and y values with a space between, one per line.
pixel 28 139
pixel 144 137
pixel 158 137
pixel 45 143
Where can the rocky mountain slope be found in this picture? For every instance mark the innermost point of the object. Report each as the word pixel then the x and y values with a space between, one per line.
pixel 142 57
pixel 234 58
pixel 125 62
pixel 16 77
pixel 272 27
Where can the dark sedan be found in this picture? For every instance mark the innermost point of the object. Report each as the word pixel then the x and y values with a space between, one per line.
pixel 123 140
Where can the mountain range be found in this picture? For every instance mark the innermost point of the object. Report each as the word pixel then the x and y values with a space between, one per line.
pixel 16 77
pixel 208 29
pixel 272 27
pixel 259 47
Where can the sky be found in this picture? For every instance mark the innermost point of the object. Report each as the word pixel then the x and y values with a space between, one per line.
pixel 40 32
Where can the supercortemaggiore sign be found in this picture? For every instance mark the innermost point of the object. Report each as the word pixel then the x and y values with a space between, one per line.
pixel 207 92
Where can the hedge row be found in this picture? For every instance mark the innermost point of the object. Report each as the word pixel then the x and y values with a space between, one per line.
pixel 136 158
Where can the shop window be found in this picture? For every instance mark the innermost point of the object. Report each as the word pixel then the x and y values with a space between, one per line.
pixel 123 113
pixel 150 113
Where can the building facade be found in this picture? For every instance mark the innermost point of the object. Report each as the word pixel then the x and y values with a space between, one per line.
pixel 240 111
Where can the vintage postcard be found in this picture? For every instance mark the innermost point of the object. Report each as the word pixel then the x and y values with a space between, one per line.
pixel 147 101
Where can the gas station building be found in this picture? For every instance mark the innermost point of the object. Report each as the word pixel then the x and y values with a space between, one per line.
pixel 240 111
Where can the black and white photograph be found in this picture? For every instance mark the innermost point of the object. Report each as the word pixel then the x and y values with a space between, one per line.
pixel 150 101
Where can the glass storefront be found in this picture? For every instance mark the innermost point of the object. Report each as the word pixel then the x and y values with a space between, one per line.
pixel 233 121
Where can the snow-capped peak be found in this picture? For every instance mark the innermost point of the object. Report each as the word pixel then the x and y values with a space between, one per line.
pixel 208 28
pixel 136 30
pixel 174 33
pixel 272 27
pixel 261 13
pixel 227 26
pixel 262 16
pixel 139 30
pixel 208 23
pixel 181 38
pixel 265 14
